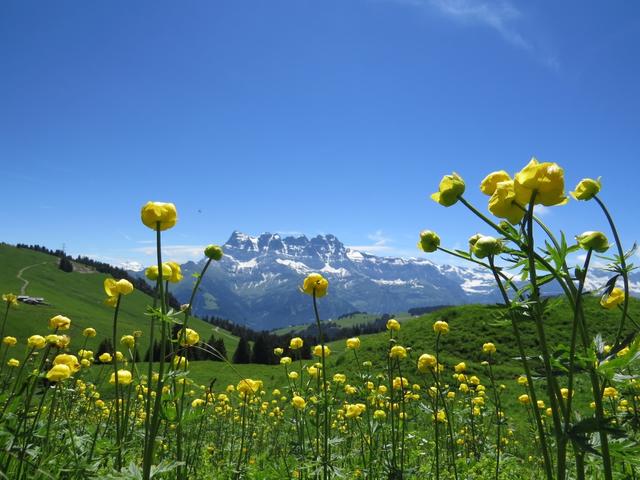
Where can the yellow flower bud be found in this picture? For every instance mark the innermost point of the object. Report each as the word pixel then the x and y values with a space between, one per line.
pixel 586 189
pixel 489 184
pixel 450 189
pixel 59 322
pixel 393 325
pixel 58 373
pixel 214 252
pixel 593 241
pixel 429 241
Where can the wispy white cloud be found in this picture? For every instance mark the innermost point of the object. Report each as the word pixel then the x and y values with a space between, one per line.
pixel 176 253
pixel 383 245
pixel 501 16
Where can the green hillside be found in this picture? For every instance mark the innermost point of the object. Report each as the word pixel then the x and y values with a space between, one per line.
pixel 344 322
pixel 78 296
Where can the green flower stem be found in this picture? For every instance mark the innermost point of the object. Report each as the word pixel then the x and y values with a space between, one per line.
pixel 242 431
pixel 149 397
pixel 435 409
pixel 155 421
pixel 181 469
pixel 623 268
pixel 325 455
pixel 4 320
pixel 548 464
pixel 552 386
pixel 117 387
pixel 496 399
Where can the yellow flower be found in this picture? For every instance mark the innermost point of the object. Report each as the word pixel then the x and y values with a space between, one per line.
pixel 593 241
pixel 36 341
pixel 339 378
pixel 616 297
pixel 298 402
pixel 460 368
pixel 586 189
pixel 296 343
pixel 105 358
pixel 285 361
pixel 489 348
pixel 441 327
pixel 312 371
pixel 503 203
pixel 393 325
pixel 400 382
pixel 522 380
pixel 176 272
pixel 354 410
pixel 398 352
pixel 113 287
pixel 9 341
pixel 429 241
pixel 278 351
pixel 450 189
pixel 441 416
pixel 546 178
pixel 85 353
pixel 318 351
pixel 564 392
pixel 293 375
pixel 70 361
pixel 10 299
pixel 59 322
pixel 189 337
pixel 152 272
pixel 89 332
pixel 198 402
pixel 353 343
pixel 180 362
pixel 379 415
pixel 610 392
pixel 249 387
pixel 490 183
pixel 158 215
pixel 128 341
pixel 426 363
pixel 13 362
pixel 214 252
pixel 315 283
pixel 58 373
pixel 524 399
pixel 124 377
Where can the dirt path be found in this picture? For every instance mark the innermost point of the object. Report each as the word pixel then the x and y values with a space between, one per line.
pixel 24 281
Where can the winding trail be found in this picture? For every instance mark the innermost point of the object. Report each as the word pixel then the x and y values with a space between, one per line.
pixel 25 282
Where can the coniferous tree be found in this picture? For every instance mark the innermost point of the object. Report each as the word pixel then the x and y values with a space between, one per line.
pixel 243 352
pixel 221 351
pixel 261 351
pixel 65 265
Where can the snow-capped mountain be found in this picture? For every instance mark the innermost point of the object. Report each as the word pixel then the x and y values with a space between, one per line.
pixel 257 281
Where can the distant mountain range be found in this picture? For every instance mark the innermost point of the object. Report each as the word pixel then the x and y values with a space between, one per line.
pixel 257 281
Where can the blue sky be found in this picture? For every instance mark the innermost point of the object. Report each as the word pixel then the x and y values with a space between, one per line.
pixel 333 116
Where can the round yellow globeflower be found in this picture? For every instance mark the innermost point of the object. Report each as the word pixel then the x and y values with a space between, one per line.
pixel 59 322
pixel 298 402
pixel 353 343
pixel 189 337
pixel 441 327
pixel 11 299
pixel 176 272
pixel 489 348
pixel 460 367
pixel 249 387
pixel 124 377
pixel 89 332
pixel 278 351
pixel 13 362
pixel 315 283
pixel 393 325
pixel 596 241
pixel 524 399
pixel 128 341
pixel 426 363
pixel 36 341
pixel 158 215
pixel 285 361
pixel 616 297
pixel 105 358
pixel 70 361
pixel 546 178
pixel 58 373
pixel 398 352
pixel 152 272
pixel 296 343
pixel 113 287
pixel 503 202
pixel 379 415
pixel 318 351
pixel 214 252
pixel 9 341
pixel 489 185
